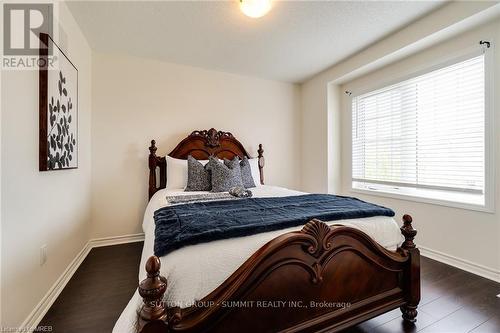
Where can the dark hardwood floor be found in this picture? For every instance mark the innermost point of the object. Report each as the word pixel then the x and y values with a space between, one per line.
pixel 453 301
pixel 98 292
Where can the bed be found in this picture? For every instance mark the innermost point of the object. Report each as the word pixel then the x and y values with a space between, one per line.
pixel 322 276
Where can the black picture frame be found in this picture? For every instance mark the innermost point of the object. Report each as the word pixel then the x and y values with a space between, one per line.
pixel 58 108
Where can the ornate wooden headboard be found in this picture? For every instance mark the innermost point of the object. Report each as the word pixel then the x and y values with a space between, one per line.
pixel 200 145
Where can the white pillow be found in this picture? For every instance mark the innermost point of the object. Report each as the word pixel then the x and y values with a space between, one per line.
pixel 177 172
pixel 254 166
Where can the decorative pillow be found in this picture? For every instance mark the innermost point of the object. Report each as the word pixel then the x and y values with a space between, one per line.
pixel 224 177
pixel 254 165
pixel 199 178
pixel 246 171
pixel 231 164
pixel 177 172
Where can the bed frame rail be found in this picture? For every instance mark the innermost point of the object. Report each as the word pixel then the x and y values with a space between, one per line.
pixel 318 279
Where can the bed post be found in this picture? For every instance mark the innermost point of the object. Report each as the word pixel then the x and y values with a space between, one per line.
pixel 261 163
pixel 153 312
pixel 152 168
pixel 412 273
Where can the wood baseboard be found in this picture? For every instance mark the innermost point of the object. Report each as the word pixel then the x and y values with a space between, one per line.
pixel 463 264
pixel 46 302
pixel 50 297
pixel 115 240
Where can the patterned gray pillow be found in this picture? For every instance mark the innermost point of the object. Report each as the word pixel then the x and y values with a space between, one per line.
pixel 232 163
pixel 246 171
pixel 199 178
pixel 224 177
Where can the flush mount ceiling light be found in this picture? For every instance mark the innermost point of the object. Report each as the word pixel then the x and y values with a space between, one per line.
pixel 255 8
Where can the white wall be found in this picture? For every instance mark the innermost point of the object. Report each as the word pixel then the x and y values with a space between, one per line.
pixel 1 224
pixel 136 100
pixel 469 236
pixel 39 208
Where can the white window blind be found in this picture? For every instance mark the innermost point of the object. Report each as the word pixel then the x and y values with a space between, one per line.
pixel 425 132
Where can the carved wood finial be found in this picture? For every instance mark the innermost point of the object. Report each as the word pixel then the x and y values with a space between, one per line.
pixel 151 290
pixel 152 161
pixel 408 232
pixel 409 309
pixel 152 148
pixel 260 151
pixel 319 230
pixel 262 161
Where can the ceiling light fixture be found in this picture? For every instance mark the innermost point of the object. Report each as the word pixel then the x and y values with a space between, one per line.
pixel 255 8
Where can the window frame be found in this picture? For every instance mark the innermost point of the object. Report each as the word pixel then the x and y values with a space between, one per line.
pixel 422 195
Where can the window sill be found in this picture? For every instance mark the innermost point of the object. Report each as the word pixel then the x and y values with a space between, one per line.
pixel 467 201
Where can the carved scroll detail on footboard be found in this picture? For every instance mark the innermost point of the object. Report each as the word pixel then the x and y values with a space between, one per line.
pixel 309 274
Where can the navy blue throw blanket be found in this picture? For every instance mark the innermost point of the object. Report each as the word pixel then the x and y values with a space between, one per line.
pixel 193 223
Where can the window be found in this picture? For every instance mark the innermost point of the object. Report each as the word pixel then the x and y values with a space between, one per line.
pixel 424 137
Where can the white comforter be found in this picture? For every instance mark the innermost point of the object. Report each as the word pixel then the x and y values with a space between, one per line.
pixel 195 271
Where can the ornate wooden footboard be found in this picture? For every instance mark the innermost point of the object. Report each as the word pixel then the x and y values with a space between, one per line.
pixel 318 279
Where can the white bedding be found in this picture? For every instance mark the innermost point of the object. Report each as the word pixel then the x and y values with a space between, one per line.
pixel 195 271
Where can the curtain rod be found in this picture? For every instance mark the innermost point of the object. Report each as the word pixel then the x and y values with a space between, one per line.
pixel 485 43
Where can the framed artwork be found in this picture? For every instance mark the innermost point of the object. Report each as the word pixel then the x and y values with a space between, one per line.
pixel 58 108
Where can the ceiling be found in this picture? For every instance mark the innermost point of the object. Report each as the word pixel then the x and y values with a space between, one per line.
pixel 296 40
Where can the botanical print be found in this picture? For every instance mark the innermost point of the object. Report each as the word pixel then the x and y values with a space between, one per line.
pixel 61 138
pixel 58 111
